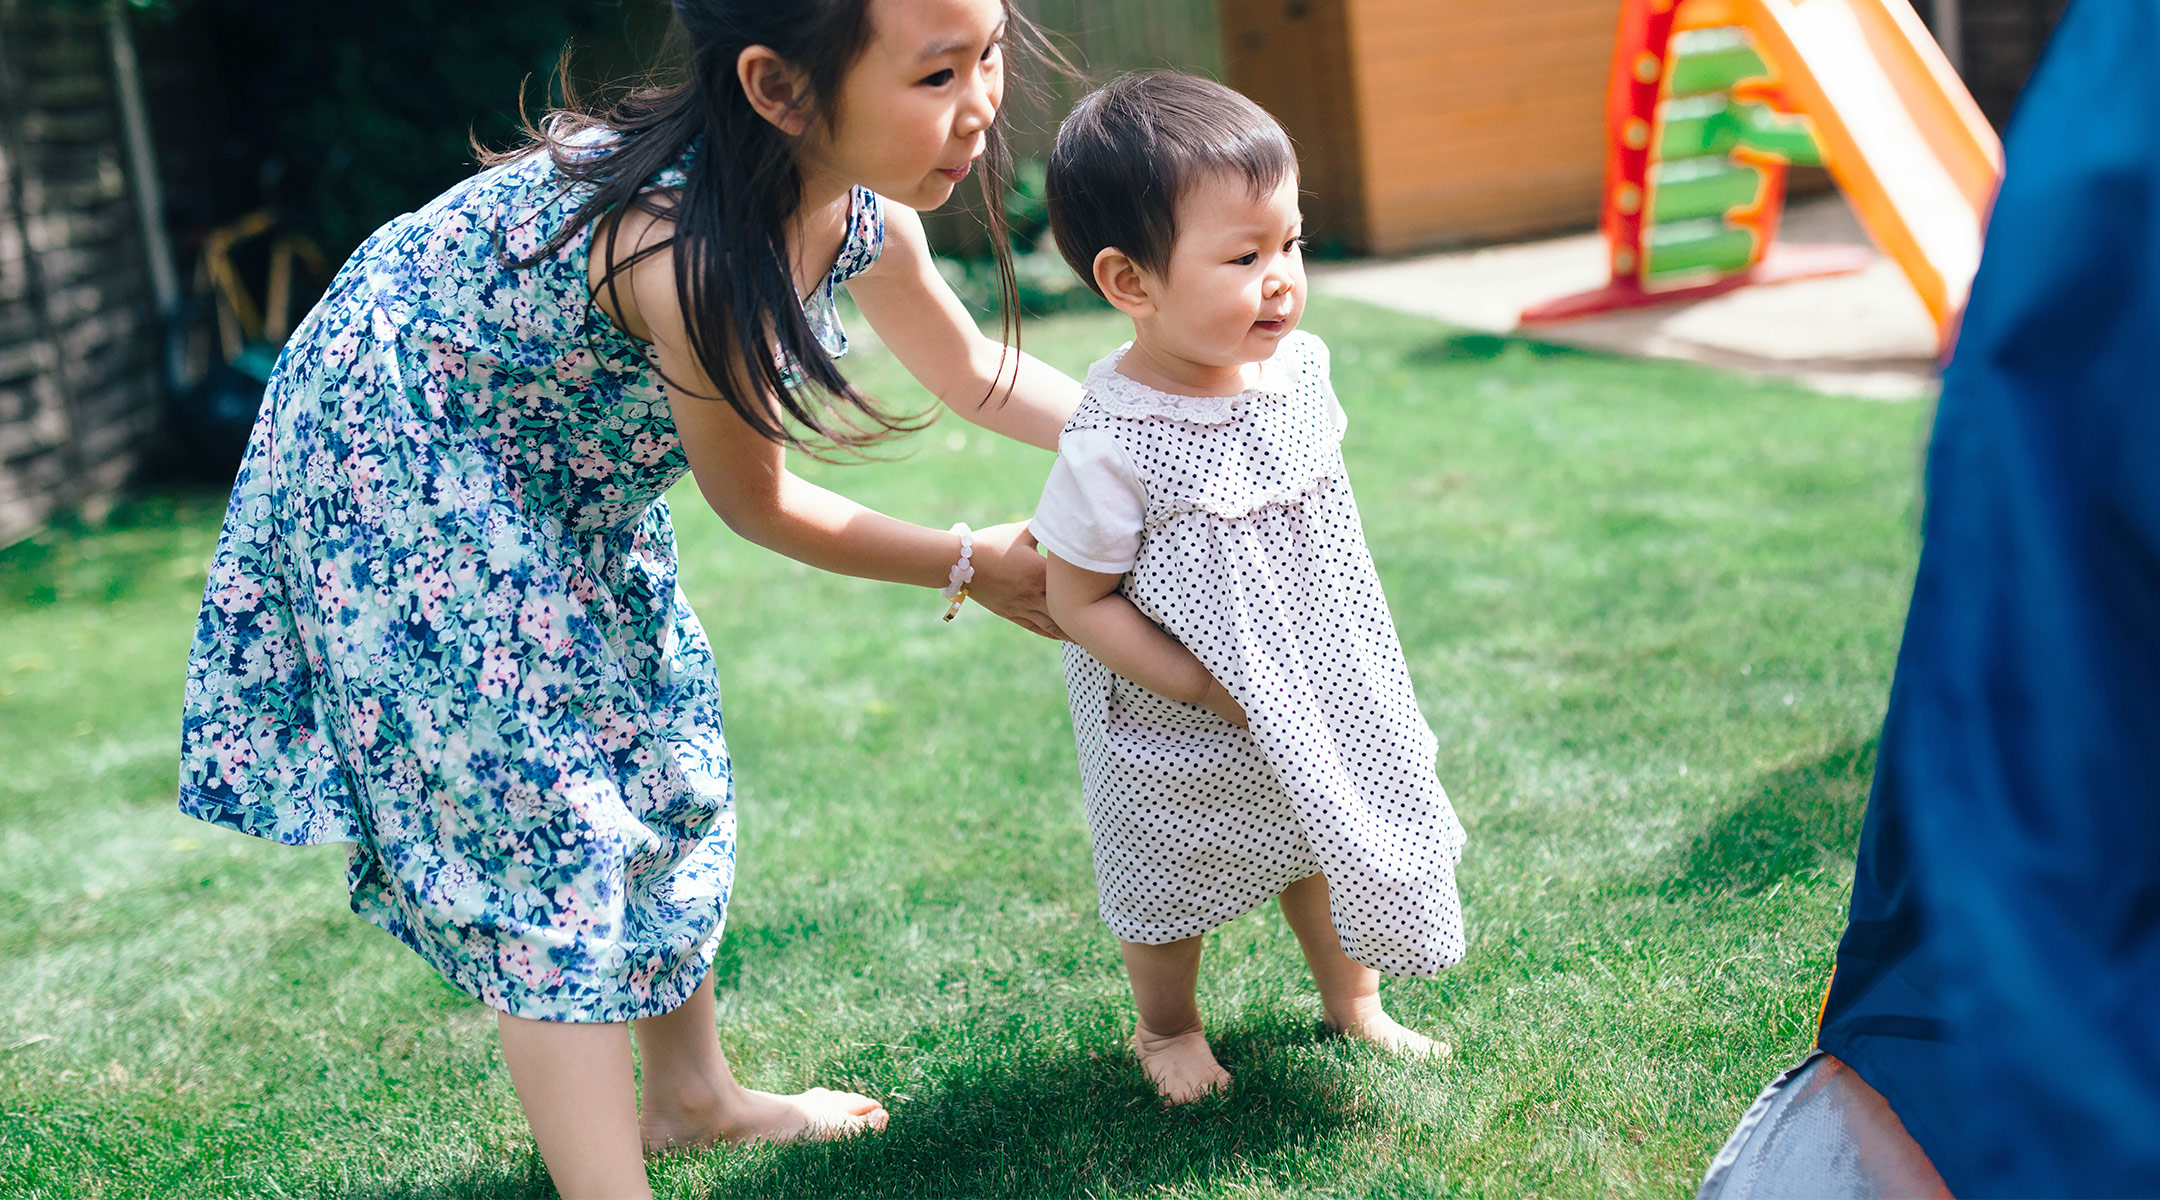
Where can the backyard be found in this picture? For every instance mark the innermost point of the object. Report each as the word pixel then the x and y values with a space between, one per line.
pixel 1651 610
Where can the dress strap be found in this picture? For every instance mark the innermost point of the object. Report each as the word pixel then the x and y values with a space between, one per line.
pixel 865 236
pixel 865 239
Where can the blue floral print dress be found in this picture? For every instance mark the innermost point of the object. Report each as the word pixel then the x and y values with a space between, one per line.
pixel 442 623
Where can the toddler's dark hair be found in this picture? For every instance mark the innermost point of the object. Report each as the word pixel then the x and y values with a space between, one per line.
pixel 1132 148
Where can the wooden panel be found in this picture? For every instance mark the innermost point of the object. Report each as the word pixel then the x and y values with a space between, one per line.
pixel 75 338
pixel 1293 57
pixel 1480 121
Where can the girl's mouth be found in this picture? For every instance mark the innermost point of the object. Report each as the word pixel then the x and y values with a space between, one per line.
pixel 956 174
pixel 1274 326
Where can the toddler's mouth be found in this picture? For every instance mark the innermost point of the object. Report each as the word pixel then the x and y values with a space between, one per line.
pixel 1275 326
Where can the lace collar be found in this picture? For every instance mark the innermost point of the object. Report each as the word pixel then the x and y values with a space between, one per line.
pixel 1123 396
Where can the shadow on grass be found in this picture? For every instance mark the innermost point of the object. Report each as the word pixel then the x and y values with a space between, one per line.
pixel 1801 818
pixel 744 943
pixel 1081 1122
pixel 1484 347
pixel 524 1178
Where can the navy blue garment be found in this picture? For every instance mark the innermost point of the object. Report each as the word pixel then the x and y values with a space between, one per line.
pixel 1999 982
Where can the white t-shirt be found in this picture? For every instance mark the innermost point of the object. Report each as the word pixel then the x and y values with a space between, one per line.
pixel 1093 508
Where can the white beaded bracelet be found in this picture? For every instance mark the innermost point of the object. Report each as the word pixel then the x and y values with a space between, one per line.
pixel 963 571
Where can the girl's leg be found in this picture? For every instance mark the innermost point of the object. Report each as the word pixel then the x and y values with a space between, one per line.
pixel 574 1081
pixel 690 1097
pixel 1349 990
pixel 1168 1040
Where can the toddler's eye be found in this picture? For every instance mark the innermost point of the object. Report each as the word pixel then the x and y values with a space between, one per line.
pixel 938 80
pixel 1247 259
pixel 1296 243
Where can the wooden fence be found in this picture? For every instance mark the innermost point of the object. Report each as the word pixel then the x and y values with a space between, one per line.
pixel 78 375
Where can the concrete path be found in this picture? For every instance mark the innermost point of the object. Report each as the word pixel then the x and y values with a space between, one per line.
pixel 1862 335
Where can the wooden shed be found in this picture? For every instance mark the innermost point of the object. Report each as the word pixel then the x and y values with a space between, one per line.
pixel 1424 123
pixel 79 390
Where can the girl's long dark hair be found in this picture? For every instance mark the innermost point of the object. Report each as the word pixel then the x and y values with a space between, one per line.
pixel 741 190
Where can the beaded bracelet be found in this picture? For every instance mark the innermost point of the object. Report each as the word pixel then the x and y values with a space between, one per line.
pixel 963 571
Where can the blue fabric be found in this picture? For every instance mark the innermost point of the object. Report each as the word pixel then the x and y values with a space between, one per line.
pixel 2000 979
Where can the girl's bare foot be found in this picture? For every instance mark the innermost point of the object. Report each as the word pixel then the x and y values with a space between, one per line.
pixel 1385 1032
pixel 1181 1066
pixel 817 1114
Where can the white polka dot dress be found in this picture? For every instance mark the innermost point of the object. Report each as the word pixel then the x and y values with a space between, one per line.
pixel 1250 553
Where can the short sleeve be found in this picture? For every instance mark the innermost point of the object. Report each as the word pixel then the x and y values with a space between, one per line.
pixel 1093 507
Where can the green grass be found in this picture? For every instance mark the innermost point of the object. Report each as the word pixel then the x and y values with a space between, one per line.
pixel 1651 611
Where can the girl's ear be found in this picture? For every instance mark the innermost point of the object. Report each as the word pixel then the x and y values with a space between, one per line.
pixel 1122 283
pixel 777 89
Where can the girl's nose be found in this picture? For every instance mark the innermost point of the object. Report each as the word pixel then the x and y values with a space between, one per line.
pixel 979 110
pixel 1280 285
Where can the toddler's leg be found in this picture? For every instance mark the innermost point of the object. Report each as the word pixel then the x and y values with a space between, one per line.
pixel 1168 1040
pixel 690 1096
pixel 1349 990
pixel 574 1081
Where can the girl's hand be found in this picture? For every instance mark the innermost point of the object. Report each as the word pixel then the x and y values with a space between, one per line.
pixel 1219 702
pixel 1009 578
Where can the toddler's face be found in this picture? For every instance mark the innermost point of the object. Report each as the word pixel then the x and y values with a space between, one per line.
pixel 1236 281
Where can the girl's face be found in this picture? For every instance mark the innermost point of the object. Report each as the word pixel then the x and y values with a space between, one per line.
pixel 1235 285
pixel 914 111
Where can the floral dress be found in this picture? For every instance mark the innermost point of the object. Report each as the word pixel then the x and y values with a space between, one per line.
pixel 442 623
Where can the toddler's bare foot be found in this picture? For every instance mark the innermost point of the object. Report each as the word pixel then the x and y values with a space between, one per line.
pixel 1383 1031
pixel 817 1114
pixel 1181 1066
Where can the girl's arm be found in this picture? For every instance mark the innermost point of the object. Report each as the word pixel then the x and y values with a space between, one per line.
pixel 916 314
pixel 1093 613
pixel 745 479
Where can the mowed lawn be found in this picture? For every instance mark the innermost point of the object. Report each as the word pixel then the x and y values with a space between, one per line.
pixel 1651 610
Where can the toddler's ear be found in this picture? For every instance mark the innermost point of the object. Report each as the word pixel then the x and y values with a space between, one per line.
pixel 1122 283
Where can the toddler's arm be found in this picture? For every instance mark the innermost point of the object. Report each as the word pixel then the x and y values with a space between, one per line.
pixel 1088 607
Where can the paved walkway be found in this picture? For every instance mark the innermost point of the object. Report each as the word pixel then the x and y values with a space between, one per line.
pixel 1862 335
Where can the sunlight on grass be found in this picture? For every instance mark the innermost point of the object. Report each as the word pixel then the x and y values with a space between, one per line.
pixel 1651 611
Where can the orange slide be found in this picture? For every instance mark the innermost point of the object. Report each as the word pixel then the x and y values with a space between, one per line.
pixel 1711 100
pixel 1899 132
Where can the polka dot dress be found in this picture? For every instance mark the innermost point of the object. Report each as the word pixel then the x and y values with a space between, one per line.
pixel 1252 556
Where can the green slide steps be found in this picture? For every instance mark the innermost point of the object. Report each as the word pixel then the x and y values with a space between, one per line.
pixel 1681 247
pixel 1695 126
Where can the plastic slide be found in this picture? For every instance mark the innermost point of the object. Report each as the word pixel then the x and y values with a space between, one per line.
pixel 1711 100
pixel 1899 132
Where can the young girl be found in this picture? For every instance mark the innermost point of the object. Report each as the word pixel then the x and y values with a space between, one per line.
pixel 1244 717
pixel 442 624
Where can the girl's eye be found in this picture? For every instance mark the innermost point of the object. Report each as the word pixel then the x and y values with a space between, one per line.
pixel 940 79
pixel 1296 243
pixel 990 51
pixel 1248 259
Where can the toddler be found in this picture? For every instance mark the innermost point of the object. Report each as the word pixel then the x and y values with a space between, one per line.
pixel 1244 717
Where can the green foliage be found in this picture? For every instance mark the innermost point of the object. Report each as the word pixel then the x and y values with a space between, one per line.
pixel 1046 286
pixel 364 111
pixel 1651 611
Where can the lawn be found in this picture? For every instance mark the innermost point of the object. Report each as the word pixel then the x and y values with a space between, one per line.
pixel 1651 611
